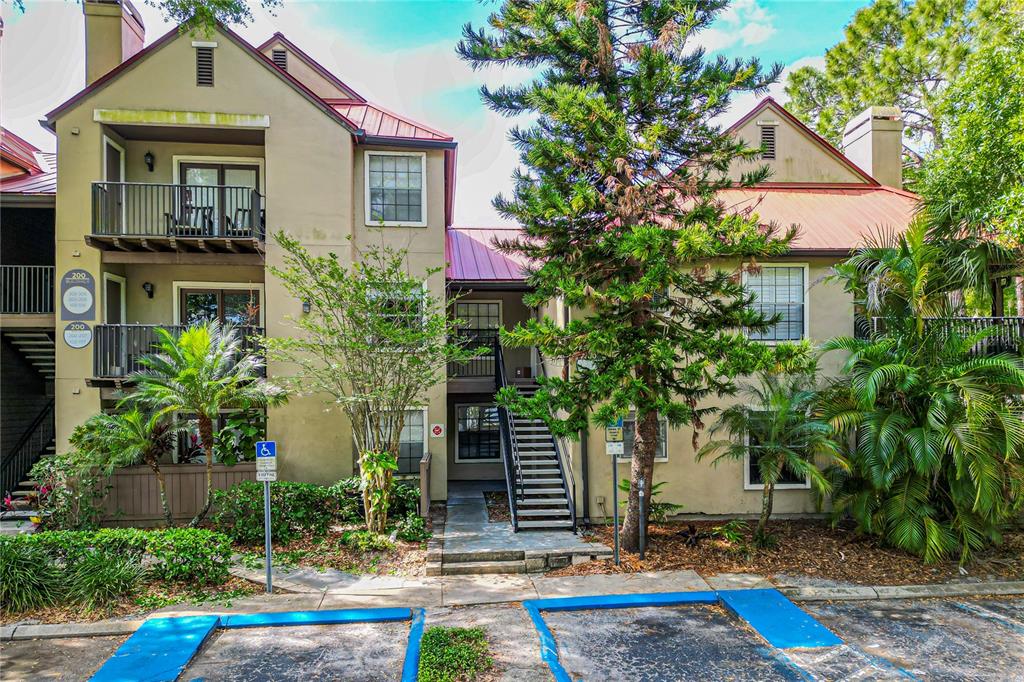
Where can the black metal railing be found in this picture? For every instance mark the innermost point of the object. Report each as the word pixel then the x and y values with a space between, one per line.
pixel 135 209
pixel 564 465
pixel 480 366
pixel 118 348
pixel 26 289
pixel 509 446
pixel 29 448
pixel 1007 335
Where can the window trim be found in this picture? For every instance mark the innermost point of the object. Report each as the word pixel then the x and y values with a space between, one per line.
pixel 177 287
pixel 807 298
pixel 368 219
pixel 477 460
pixel 628 458
pixel 178 159
pixel 748 484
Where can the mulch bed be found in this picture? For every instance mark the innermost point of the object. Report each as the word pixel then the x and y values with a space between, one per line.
pixel 497 506
pixel 328 551
pixel 152 596
pixel 806 548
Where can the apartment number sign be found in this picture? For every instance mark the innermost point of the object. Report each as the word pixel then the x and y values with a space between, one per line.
pixel 77 295
pixel 77 334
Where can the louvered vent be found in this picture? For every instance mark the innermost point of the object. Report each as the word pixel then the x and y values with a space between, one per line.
pixel 204 66
pixel 281 59
pixel 767 142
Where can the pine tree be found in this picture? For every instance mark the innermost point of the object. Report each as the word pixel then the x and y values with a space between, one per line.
pixel 617 201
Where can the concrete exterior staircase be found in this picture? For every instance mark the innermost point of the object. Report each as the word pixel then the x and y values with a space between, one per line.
pixel 541 492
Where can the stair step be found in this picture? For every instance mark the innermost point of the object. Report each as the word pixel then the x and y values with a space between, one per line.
pixel 546 524
pixel 542 501
pixel 534 492
pixel 544 512
pixel 531 482
pixel 483 567
pixel 540 472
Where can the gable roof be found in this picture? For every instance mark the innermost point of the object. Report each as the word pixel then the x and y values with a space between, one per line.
pixel 802 128
pixel 19 152
pixel 471 256
pixel 39 180
pixel 163 40
pixel 377 121
pixel 311 63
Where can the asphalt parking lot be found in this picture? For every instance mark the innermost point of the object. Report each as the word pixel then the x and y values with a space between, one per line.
pixel 948 639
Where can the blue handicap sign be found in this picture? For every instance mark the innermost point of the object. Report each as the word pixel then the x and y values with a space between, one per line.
pixel 266 448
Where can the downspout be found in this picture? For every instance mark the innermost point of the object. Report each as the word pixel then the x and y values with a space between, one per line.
pixel 585 462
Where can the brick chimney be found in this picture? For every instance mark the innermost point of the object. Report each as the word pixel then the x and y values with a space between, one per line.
pixel 113 33
pixel 873 140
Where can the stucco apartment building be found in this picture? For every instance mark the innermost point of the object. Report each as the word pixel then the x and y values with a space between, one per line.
pixel 177 161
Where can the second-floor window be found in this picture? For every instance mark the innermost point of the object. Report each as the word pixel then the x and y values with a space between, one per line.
pixel 780 290
pixel 396 189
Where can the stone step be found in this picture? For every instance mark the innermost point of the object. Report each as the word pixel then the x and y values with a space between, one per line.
pixel 544 512
pixel 545 524
pixel 484 555
pixel 483 567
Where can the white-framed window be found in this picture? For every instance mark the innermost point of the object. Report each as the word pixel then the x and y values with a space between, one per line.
pixel 402 307
pixel 629 437
pixel 396 188
pixel 412 443
pixel 780 289
pixel 789 480
pixel 477 438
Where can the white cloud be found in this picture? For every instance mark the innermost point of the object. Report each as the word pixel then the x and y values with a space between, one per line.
pixel 742 24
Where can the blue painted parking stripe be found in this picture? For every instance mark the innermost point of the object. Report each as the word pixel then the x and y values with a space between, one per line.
pixel 779 621
pixel 623 601
pixel 411 666
pixel 158 651
pixel 330 617
pixel 548 646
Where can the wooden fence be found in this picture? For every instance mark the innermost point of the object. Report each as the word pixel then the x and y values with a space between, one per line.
pixel 134 497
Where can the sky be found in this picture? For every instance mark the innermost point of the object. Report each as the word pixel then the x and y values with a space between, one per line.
pixel 399 54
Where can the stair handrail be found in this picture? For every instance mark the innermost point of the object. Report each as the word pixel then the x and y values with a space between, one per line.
pixel 509 444
pixel 564 466
pixel 29 448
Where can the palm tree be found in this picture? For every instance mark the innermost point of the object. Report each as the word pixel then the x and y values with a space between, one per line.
pixel 776 427
pixel 937 464
pixel 199 373
pixel 109 441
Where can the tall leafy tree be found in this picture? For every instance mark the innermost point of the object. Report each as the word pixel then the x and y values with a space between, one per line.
pixel 896 52
pixel 201 372
pixel 200 14
pixel 616 197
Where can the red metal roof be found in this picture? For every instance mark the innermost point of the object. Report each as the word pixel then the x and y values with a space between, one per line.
pixel 829 217
pixel 472 257
pixel 378 121
pixel 18 151
pixel 40 176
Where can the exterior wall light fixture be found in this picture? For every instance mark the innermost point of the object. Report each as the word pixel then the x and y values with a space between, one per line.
pixel 150 160
pixel 148 288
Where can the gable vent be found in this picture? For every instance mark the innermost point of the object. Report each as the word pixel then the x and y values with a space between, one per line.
pixel 204 66
pixel 281 59
pixel 767 142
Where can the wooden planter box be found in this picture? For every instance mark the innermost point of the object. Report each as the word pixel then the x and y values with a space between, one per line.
pixel 133 498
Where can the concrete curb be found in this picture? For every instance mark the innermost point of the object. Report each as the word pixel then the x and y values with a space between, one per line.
pixel 862 593
pixel 800 594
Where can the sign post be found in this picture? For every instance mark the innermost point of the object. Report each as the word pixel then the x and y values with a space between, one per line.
pixel 615 446
pixel 266 471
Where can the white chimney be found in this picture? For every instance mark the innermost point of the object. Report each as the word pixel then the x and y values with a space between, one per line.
pixel 873 139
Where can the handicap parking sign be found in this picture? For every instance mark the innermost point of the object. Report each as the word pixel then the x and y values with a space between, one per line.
pixel 266 460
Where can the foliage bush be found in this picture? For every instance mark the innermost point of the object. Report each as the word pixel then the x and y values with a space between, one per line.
pixel 35 568
pixel 413 528
pixel 451 654
pixel 99 578
pixel 366 541
pixel 68 497
pixel 298 508
pixel 28 578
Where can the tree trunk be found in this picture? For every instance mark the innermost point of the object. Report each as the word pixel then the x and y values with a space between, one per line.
pixel 206 436
pixel 767 500
pixel 642 466
pixel 162 485
pixel 1019 290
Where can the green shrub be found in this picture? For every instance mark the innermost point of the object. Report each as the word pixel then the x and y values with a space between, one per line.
pixel 405 500
pixel 99 578
pixel 296 508
pixel 349 499
pixel 412 529
pixel 453 654
pixel 366 541
pixel 29 579
pixel 193 555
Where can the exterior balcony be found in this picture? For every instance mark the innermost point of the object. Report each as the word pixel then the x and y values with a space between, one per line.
pixel 118 349
pixel 26 296
pixel 176 218
pixel 475 375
